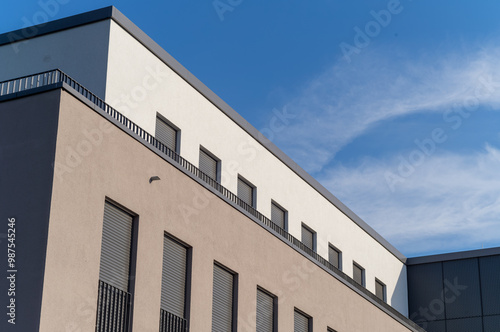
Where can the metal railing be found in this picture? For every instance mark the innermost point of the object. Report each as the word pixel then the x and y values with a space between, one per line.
pixel 113 309
pixel 172 323
pixel 55 76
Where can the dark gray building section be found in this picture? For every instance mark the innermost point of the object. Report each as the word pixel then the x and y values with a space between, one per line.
pixel 459 292
pixel 28 128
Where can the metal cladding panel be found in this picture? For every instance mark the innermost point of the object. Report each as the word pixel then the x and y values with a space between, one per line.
pixel 464 325
pixel 333 257
pixel 300 322
pixel 173 283
pixel 222 302
pixel 357 274
pixel 425 285
pixel 490 284
pixel 265 312
pixel 461 278
pixel 435 326
pixel 379 290
pixel 245 192
pixel 277 215
pixel 307 238
pixel 208 165
pixel 115 249
pixel 491 323
pixel 166 134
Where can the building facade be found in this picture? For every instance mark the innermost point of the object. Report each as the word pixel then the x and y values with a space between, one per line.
pixel 153 205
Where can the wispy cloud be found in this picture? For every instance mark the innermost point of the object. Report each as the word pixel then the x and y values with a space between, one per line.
pixel 451 202
pixel 346 100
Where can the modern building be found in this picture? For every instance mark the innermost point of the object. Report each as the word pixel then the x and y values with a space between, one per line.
pixel 141 201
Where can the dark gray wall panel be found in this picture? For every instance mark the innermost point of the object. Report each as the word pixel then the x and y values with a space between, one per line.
pixel 490 284
pixel 425 287
pixel 28 129
pixel 464 325
pixel 491 323
pixel 434 326
pixel 461 278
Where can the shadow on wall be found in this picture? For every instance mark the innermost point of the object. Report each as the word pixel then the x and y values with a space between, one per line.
pixel 399 299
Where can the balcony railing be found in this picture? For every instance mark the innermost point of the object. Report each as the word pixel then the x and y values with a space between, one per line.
pixel 57 76
pixel 172 323
pixel 113 309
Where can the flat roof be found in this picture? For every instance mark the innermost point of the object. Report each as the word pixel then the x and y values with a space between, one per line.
pixel 453 256
pixel 114 14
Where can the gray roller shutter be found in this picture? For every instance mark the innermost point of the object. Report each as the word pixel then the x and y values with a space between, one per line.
pixel 173 283
pixel 380 290
pixel 222 302
pixel 334 257
pixel 357 274
pixel 208 165
pixel 278 215
pixel 265 312
pixel 307 237
pixel 300 322
pixel 166 134
pixel 115 249
pixel 245 192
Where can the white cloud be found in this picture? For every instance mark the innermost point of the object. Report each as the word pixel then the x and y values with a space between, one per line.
pixel 342 103
pixel 450 202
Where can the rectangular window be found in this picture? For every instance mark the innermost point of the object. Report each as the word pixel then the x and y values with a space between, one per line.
pixel 223 300
pixel 246 192
pixel 358 274
pixel 116 270
pixel 301 322
pixel 308 237
pixel 334 256
pixel 209 165
pixel 266 312
pixel 174 285
pixel 329 329
pixel 167 134
pixel 279 216
pixel 380 290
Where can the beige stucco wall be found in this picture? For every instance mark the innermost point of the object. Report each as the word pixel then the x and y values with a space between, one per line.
pixel 95 160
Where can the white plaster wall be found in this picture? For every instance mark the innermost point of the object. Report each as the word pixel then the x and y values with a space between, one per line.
pixel 133 90
pixel 79 52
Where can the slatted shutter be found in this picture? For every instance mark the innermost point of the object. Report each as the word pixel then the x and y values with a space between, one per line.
pixel 245 192
pixel 300 322
pixel 208 165
pixel 278 215
pixel 307 237
pixel 334 257
pixel 166 134
pixel 173 285
pixel 222 302
pixel 380 290
pixel 357 274
pixel 116 245
pixel 265 312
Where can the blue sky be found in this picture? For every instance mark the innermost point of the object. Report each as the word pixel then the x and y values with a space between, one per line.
pixel 393 105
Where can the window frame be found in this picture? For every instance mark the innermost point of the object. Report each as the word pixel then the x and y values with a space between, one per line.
pixel 309 319
pixel 177 131
pixel 234 318
pixel 275 307
pixel 363 273
pixel 314 236
pixel 384 289
pixel 218 163
pixel 279 206
pixel 254 190
pixel 339 252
